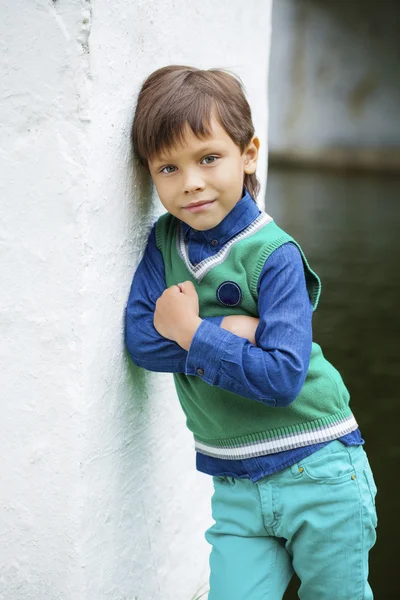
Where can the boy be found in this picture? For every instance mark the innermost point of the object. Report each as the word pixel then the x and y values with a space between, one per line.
pixel 223 299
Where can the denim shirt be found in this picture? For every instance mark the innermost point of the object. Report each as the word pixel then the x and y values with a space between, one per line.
pixel 285 329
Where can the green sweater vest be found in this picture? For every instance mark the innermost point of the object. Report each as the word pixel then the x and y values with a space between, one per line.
pixel 227 425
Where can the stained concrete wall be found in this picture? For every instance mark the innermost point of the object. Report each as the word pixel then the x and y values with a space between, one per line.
pixel 334 79
pixel 99 497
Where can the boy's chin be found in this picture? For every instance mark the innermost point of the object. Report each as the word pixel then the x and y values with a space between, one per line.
pixel 203 225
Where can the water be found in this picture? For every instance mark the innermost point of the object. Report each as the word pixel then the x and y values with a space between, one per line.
pixel 349 229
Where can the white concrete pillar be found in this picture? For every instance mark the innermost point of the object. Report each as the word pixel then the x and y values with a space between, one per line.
pixel 99 497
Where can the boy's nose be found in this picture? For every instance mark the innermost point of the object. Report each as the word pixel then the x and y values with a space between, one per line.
pixel 193 183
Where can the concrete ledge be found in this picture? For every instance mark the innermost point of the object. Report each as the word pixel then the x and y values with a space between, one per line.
pixel 385 160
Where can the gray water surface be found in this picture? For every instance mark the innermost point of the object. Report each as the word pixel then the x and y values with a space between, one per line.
pixel 349 229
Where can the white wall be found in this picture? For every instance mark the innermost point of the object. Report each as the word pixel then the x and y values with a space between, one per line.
pixel 99 497
pixel 334 75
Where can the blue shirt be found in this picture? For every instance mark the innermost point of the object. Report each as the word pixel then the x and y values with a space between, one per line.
pixel 275 368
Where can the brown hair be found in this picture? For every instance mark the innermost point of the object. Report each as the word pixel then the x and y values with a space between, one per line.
pixel 176 95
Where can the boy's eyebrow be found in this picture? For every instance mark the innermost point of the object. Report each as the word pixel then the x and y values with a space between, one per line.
pixel 202 150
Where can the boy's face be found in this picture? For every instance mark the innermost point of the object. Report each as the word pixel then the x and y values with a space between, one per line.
pixel 210 169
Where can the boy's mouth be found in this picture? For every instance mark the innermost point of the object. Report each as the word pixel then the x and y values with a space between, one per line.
pixel 198 206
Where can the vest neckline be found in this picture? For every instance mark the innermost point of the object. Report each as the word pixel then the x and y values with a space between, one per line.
pixel 203 267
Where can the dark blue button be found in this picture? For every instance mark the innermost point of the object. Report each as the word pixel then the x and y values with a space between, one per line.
pixel 200 371
pixel 229 293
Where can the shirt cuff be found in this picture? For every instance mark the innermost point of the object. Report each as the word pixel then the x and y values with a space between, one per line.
pixel 204 354
pixel 216 320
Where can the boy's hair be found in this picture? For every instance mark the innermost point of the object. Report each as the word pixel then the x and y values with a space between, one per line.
pixel 176 95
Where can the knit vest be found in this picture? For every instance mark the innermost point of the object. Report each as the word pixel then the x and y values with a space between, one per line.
pixel 225 424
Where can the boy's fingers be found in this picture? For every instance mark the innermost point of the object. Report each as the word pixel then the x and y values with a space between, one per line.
pixel 187 287
pixel 172 289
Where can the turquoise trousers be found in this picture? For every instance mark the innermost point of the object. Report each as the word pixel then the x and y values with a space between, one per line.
pixel 316 518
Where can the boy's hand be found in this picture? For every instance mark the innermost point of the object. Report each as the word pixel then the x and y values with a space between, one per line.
pixel 177 313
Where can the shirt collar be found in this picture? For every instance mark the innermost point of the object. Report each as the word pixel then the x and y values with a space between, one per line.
pixel 242 214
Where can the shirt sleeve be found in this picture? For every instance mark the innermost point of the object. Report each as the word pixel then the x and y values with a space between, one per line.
pixel 273 371
pixel 146 347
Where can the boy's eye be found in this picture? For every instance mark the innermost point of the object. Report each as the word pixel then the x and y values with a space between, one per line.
pixel 213 159
pixel 167 167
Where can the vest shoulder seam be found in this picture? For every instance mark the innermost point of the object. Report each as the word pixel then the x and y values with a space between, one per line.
pixel 164 222
pixel 266 251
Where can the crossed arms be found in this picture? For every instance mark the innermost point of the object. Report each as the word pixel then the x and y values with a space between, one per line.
pixel 264 359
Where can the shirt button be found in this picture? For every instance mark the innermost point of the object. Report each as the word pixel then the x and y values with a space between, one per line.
pixel 200 371
pixel 214 242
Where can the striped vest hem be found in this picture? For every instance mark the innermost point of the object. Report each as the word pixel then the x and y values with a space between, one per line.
pixel 278 440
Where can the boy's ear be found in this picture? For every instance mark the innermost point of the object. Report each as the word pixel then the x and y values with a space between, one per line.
pixel 251 156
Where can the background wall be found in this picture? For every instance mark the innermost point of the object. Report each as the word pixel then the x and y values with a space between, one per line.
pixel 99 496
pixel 334 87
